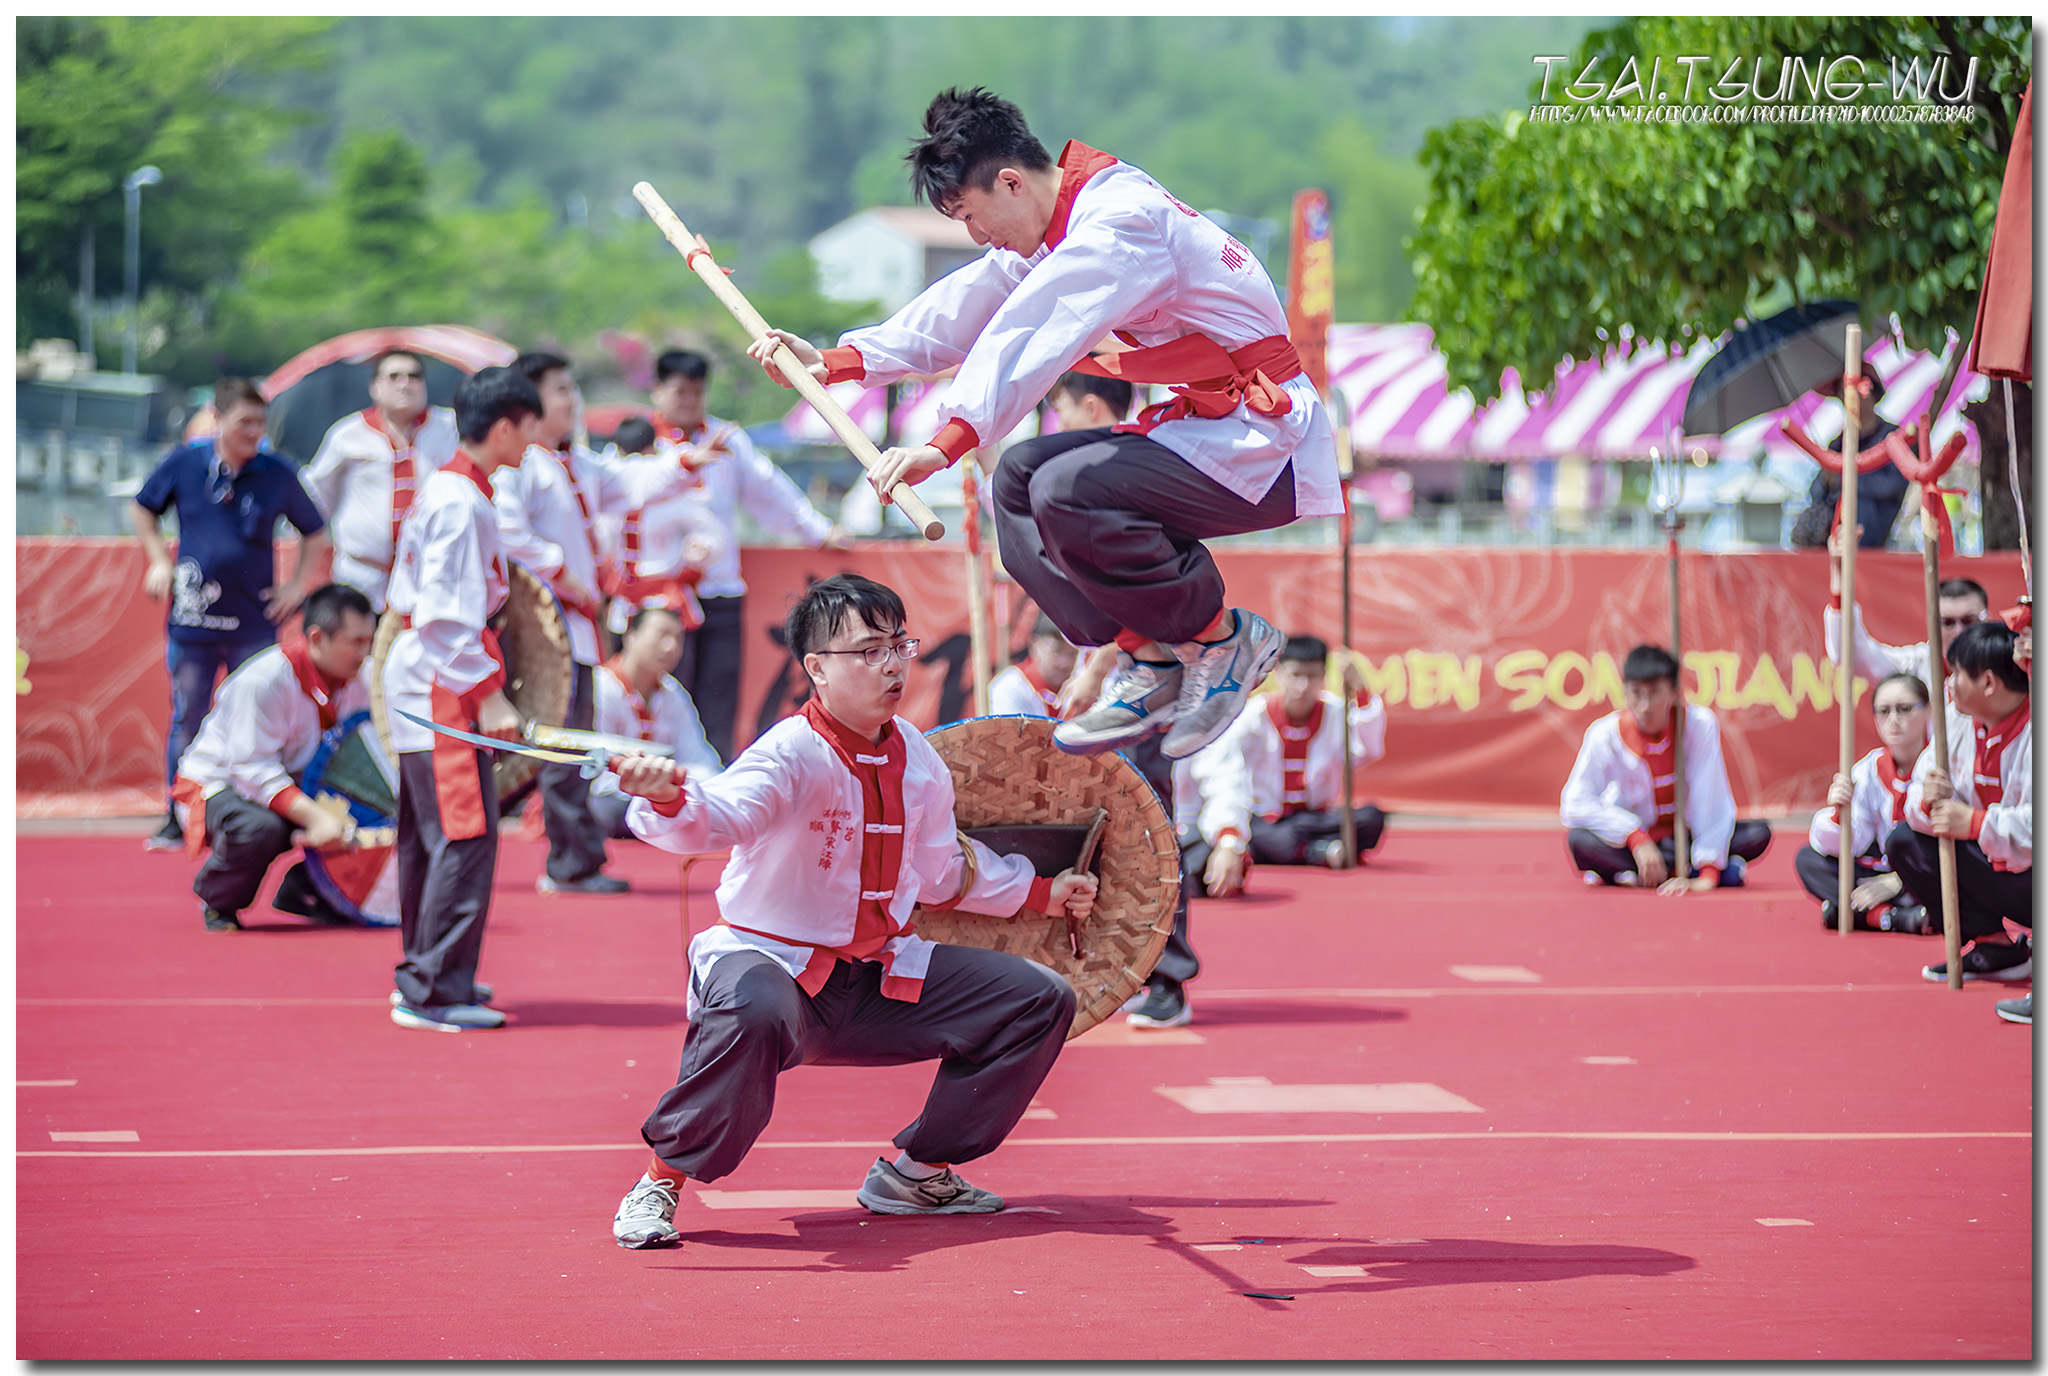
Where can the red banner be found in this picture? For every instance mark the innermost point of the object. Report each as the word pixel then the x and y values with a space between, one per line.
pixel 1493 662
pixel 1311 285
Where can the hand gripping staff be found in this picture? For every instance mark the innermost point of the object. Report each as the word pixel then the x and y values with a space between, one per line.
pixel 698 259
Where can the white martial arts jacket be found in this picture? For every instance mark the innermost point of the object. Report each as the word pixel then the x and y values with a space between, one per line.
pixel 1211 794
pixel 793 812
pixel 741 479
pixel 1610 791
pixel 351 478
pixel 1991 768
pixel 1015 693
pixel 1879 805
pixel 670 719
pixel 1257 739
pixel 449 578
pixel 1120 255
pixel 265 722
pixel 547 512
pixel 1875 660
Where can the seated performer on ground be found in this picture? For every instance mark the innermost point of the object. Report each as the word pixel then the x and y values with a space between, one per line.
pixel 841 822
pixel 1212 800
pixel 1031 687
pixel 1294 759
pixel 1103 528
pixel 235 785
pixel 1982 797
pixel 1875 794
pixel 637 698
pixel 1961 601
pixel 1618 801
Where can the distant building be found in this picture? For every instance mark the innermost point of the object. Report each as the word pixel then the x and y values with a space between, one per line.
pixel 889 254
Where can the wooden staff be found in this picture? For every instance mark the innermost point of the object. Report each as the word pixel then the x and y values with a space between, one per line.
pixel 977 607
pixel 1845 694
pixel 698 259
pixel 1667 476
pixel 1347 824
pixel 1945 846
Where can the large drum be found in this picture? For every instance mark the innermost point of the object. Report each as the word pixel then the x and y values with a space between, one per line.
pixel 540 669
pixel 1008 776
pixel 351 768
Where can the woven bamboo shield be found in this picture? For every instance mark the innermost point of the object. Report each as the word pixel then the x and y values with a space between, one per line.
pixel 540 668
pixel 1007 772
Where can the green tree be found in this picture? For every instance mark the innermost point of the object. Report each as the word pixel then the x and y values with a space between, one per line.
pixel 1544 240
pixel 96 98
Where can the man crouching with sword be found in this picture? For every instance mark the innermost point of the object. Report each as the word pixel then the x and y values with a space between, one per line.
pixel 840 820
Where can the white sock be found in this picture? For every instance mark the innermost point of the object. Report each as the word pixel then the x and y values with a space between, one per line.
pixel 917 1170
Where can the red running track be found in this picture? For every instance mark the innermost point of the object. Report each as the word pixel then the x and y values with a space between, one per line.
pixel 1646 1128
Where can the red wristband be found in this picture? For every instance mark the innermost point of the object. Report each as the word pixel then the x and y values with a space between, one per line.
pixel 1638 837
pixel 1040 897
pixel 1712 872
pixel 672 806
pixel 954 439
pixel 843 363
pixel 281 801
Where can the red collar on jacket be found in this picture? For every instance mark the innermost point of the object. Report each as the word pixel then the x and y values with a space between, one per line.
pixel 1078 164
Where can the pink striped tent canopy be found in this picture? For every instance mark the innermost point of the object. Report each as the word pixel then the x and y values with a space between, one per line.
pixel 1395 386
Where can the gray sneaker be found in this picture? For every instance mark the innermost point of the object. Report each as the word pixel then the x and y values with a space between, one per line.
pixel 646 1215
pixel 2020 1010
pixel 889 1191
pixel 1216 681
pixel 1137 698
pixel 484 994
pixel 446 1017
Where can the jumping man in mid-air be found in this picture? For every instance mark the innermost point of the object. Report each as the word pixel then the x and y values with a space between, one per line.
pixel 1103 527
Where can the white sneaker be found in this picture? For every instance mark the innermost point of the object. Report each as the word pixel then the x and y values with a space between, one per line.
pixel 646 1215
pixel 1215 681
pixel 1137 698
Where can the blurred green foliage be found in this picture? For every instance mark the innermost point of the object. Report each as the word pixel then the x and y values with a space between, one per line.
pixel 1543 240
pixel 324 175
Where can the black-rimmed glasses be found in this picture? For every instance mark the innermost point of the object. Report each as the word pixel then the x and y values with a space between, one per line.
pixel 875 656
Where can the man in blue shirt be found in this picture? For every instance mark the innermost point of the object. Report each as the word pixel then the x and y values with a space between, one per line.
pixel 228 492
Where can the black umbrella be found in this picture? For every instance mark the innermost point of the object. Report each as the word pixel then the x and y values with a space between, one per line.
pixel 1768 366
pixel 301 414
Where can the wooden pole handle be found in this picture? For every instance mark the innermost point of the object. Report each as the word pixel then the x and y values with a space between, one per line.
pixel 1945 847
pixel 1852 439
pixel 678 234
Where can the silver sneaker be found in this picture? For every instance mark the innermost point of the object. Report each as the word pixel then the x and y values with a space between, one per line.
pixel 1137 698
pixel 889 1191
pixel 645 1216
pixel 446 1017
pixel 1217 679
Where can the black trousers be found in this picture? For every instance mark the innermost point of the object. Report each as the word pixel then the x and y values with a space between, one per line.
pixel 575 838
pixel 1178 962
pixel 710 670
pixel 1984 895
pixel 1286 841
pixel 1823 878
pixel 246 840
pixel 1589 852
pixel 444 886
pixel 1104 531
pixel 994 1022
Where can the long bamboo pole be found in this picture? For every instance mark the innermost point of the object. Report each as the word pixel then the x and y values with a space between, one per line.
pixel 977 604
pixel 1845 695
pixel 1945 846
pixel 700 261
pixel 1667 478
pixel 1347 821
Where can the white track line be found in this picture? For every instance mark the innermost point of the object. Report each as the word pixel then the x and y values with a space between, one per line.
pixel 1275 1139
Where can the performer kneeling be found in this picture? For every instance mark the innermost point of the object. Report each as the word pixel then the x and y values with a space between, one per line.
pixel 1875 795
pixel 234 787
pixel 1618 802
pixel 1982 797
pixel 638 698
pixel 841 820
pixel 1294 759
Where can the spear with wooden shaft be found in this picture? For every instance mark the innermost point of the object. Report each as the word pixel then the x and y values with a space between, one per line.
pixel 1845 694
pixel 698 259
pixel 1667 489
